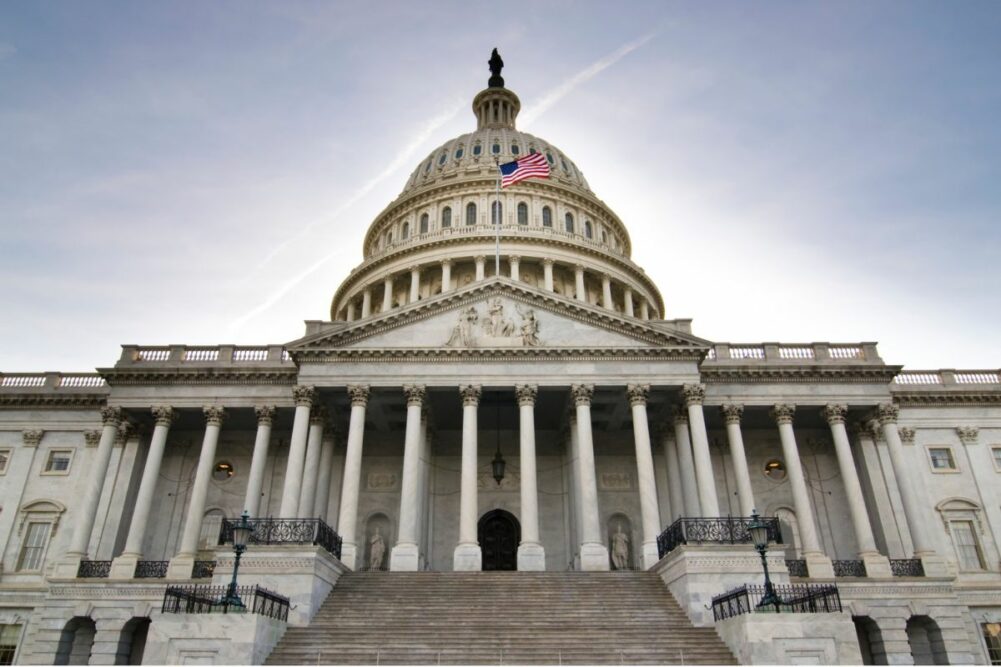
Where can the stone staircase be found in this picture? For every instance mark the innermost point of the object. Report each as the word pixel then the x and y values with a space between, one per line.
pixel 552 618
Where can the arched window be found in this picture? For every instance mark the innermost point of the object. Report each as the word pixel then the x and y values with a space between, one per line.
pixel 565 167
pixel 514 149
pixel 569 223
pixel 446 217
pixel 477 149
pixel 549 156
pixel 588 232
pixel 389 238
pixel 424 223
pixel 495 148
pixel 604 236
pixel 470 213
pixel 547 216
pixel 458 153
pixel 441 160
pixel 522 213
pixel 405 231
pixel 428 167
pixel 496 213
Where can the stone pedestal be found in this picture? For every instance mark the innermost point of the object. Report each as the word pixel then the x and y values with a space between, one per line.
pixel 404 558
pixel 67 567
pixel 792 639
pixel 349 554
pixel 467 558
pixel 531 557
pixel 211 639
pixel 935 566
pixel 594 557
pixel 181 566
pixel 650 555
pixel 124 567
pixel 877 566
pixel 819 566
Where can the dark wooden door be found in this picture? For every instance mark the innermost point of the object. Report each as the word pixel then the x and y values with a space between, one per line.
pixel 499 535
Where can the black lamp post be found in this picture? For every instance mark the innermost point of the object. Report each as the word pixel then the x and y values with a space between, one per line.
pixel 759 536
pixel 498 464
pixel 241 535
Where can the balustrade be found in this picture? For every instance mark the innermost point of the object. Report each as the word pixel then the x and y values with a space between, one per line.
pixel 849 568
pixel 792 599
pixel 286 531
pixel 214 600
pixel 723 530
pixel 94 569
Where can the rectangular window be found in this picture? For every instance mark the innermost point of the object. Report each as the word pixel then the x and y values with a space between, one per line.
pixel 58 462
pixel 992 637
pixel 967 546
pixel 33 549
pixel 9 635
pixel 996 455
pixel 941 459
pixel 4 460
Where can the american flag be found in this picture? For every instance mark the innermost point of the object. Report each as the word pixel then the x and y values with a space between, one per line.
pixel 533 165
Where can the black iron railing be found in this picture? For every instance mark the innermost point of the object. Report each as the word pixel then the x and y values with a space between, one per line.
pixel 94 569
pixel 203 569
pixel 722 530
pixel 796 567
pixel 907 567
pixel 212 600
pixel 287 531
pixel 849 568
pixel 151 569
pixel 792 599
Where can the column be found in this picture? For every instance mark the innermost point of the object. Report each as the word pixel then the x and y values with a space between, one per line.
pixel 480 263
pixel 415 284
pixel 181 564
pixel 467 553
pixel 674 485
pixel 387 294
pixel 581 294
pixel 311 467
pixel 731 415
pixel 112 419
pixel 303 397
pixel 351 311
pixel 817 564
pixel 514 261
pixel 258 464
pixel 627 299
pixel 531 555
pixel 347 521
pixel 593 552
pixel 686 464
pixel 638 394
pixel 644 309
pixel 124 566
pixel 323 479
pixel 405 556
pixel 606 292
pixel 876 565
pixel 916 519
pixel 578 501
pixel 694 395
pixel 366 302
pixel 446 276
pixel 547 273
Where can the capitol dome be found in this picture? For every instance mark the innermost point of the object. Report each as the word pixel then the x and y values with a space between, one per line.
pixel 439 234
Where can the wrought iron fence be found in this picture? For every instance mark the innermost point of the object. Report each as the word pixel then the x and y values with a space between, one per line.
pixel 94 569
pixel 907 567
pixel 792 599
pixel 151 569
pixel 722 530
pixel 203 569
pixel 849 568
pixel 212 600
pixel 287 531
pixel 797 567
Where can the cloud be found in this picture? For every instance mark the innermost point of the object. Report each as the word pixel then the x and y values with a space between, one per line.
pixel 583 76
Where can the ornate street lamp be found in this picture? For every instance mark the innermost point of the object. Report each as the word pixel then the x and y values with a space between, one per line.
pixel 759 536
pixel 241 535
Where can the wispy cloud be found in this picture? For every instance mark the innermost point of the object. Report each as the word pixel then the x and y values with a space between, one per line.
pixel 584 75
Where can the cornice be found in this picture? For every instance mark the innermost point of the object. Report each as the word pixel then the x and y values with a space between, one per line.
pixel 451 355
pixel 199 376
pixel 53 400
pixel 946 399
pixel 800 374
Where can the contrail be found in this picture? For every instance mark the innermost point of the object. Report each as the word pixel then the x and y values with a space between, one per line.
pixel 586 74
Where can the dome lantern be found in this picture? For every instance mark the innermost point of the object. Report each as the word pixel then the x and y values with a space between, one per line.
pixel 496 107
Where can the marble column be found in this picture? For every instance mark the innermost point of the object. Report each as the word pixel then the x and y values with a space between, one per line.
pixel 387 294
pixel 578 500
pixel 467 553
pixel 876 565
pixel 547 273
pixel 259 461
pixel 647 482
pixel 446 276
pixel 686 465
pixel 580 293
pixel 674 486
pixel 731 415
pixel 415 284
pixel 292 490
pixel 366 302
pixel 322 501
pixel 593 552
pixel 818 565
pixel 694 395
pixel 627 300
pixel 311 466
pixel 606 292
pixel 348 519
pixel 111 418
pixel 514 262
pixel 531 555
pixel 181 564
pixel 405 555
pixel 644 309
pixel 481 262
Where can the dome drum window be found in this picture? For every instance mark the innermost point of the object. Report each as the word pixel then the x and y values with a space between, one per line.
pixel 470 214
pixel 477 149
pixel 547 216
pixel 405 231
pixel 458 153
pixel 425 223
pixel 496 213
pixel 522 213
pixel 495 149
pixel 446 217
pixel 568 223
pixel 514 149
pixel 588 231
pixel 441 160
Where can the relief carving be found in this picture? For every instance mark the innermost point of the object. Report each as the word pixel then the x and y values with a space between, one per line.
pixel 494 329
pixel 381 481
pixel 615 481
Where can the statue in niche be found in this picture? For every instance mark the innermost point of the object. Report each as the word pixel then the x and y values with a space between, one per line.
pixel 620 549
pixel 529 327
pixel 377 550
pixel 463 334
pixel 497 325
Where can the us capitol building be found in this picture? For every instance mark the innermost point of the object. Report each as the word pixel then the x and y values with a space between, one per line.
pixel 543 413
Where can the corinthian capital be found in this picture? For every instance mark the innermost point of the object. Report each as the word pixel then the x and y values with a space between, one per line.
pixel 694 394
pixel 526 393
pixel 967 434
pixel 470 394
pixel 163 415
pixel 111 416
pixel 318 415
pixel 303 395
pixel 732 412
pixel 32 437
pixel 359 394
pixel 415 394
pixel 782 413
pixel 582 393
pixel 887 413
pixel 638 393
pixel 906 434
pixel 91 438
pixel 834 413
pixel 126 430
pixel 214 415
pixel 680 415
pixel 265 414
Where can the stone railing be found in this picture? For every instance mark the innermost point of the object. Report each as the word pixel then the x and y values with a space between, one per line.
pixel 64 382
pixel 947 378
pixel 214 355
pixel 794 353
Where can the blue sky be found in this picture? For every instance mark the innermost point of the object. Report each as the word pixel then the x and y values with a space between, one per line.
pixel 203 173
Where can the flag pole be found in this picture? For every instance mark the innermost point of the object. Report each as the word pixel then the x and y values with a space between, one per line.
pixel 498 224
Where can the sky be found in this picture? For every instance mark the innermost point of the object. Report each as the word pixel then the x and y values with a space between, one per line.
pixel 204 173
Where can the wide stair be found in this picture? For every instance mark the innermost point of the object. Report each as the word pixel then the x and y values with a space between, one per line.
pixel 552 618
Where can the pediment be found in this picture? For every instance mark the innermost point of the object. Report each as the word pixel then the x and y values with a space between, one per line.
pixel 498 316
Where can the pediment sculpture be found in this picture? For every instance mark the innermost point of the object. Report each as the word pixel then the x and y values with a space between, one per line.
pixel 494 328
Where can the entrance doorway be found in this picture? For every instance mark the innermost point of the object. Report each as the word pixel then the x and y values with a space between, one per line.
pixel 499 534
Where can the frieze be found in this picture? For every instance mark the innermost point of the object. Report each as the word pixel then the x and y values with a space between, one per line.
pixel 615 481
pixel 451 355
pixel 494 329
pixel 106 591
pixel 381 481
pixel 279 564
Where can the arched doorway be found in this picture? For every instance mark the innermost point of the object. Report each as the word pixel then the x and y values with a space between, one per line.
pixel 925 638
pixel 132 642
pixel 870 640
pixel 499 534
pixel 76 641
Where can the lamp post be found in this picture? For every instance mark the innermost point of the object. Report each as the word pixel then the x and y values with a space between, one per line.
pixel 241 535
pixel 759 536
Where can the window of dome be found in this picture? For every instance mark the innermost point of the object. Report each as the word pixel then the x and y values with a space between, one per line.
pixel 775 470
pixel 389 238
pixel 547 216
pixel 405 231
pixel 565 167
pixel 446 217
pixel 568 223
pixel 458 153
pixel 496 213
pixel 495 149
pixel 427 168
pixel 604 236
pixel 470 213
pixel 441 160
pixel 223 471
pixel 514 149
pixel 549 156
pixel 477 149
pixel 588 232
pixel 425 223
pixel 522 213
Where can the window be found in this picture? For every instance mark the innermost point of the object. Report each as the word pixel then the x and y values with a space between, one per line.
pixel 941 459
pixel 522 213
pixel 405 231
pixel 441 160
pixel 995 454
pixel 604 237
pixel 477 149
pixel 458 153
pixel 514 149
pixel 470 213
pixel 4 460
pixel 565 167
pixel 549 156
pixel 496 213
pixel 427 168
pixel 446 217
pixel 58 462
pixel 425 223
pixel 33 547
pixel 223 471
pixel 568 224
pixel 495 149
pixel 547 216
pixel 992 638
pixel 588 232
pixel 967 546
pixel 775 470
pixel 9 634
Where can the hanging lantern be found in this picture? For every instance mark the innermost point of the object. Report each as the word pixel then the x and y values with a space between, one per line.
pixel 498 465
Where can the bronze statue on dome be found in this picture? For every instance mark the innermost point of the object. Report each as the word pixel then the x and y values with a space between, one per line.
pixel 496 64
